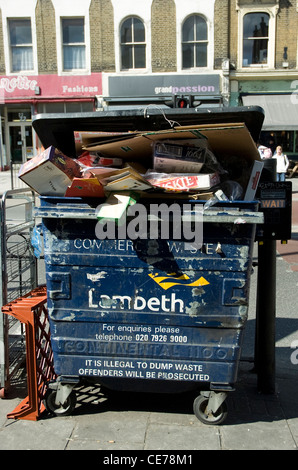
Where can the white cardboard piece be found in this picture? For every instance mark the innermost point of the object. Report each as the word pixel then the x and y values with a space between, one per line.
pixel 253 181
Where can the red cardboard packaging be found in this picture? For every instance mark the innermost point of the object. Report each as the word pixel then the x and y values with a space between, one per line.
pixel 188 182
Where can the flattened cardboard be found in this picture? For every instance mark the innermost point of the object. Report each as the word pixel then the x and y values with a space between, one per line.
pixel 140 146
pixel 231 139
pixel 85 139
pixel 253 181
pixel 133 148
pixel 223 139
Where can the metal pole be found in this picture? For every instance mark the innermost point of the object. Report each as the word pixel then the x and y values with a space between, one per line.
pixel 266 304
pixel 11 173
pixel 265 317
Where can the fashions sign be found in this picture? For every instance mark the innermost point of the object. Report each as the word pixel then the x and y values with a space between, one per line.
pixel 50 86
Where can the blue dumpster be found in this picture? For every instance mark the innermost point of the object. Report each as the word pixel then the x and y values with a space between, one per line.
pixel 147 314
pixel 124 312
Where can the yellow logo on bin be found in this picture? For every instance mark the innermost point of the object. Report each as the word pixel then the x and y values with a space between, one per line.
pixel 172 280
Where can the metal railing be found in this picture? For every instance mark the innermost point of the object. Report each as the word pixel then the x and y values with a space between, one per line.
pixel 15 182
pixel 18 275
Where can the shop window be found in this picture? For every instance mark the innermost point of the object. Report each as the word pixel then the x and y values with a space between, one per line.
pixel 74 47
pixel 132 44
pixel 21 48
pixel 65 107
pixel 274 138
pixel 255 38
pixel 19 115
pixel 194 42
pixel 296 142
pixel 79 106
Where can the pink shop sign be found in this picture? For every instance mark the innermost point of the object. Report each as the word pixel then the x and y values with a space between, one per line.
pixel 50 86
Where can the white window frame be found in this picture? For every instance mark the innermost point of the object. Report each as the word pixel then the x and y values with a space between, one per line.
pixel 132 44
pixel 272 12
pixel 123 10
pixel 18 10
pixel 19 46
pixel 75 70
pixel 205 9
pixel 78 9
pixel 194 42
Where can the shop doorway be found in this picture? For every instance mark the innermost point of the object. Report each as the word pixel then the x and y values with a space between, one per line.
pixel 20 138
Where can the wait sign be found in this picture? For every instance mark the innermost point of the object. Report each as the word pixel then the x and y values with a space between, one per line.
pixel 276 204
pixel 273 203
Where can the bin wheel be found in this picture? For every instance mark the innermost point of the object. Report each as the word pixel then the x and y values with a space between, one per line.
pixel 59 410
pixel 199 408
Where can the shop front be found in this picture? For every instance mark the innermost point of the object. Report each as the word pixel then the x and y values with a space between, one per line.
pixel 199 90
pixel 20 134
pixel 21 97
pixel 279 100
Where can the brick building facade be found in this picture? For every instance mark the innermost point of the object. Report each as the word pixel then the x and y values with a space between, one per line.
pixel 111 53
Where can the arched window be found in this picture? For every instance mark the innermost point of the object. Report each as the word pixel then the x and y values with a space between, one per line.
pixel 255 38
pixel 194 42
pixel 133 46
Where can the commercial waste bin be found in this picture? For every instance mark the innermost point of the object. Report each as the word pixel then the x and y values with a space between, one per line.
pixel 147 314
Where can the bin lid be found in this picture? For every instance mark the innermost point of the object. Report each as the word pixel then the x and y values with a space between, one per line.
pixel 58 129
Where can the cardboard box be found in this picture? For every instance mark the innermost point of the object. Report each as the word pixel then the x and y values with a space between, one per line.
pixel 124 179
pixel 253 181
pixel 115 206
pixel 85 187
pixel 170 157
pixel 177 182
pixel 99 171
pixel 49 173
pixel 94 160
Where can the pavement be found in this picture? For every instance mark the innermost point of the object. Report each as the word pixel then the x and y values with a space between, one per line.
pixel 139 428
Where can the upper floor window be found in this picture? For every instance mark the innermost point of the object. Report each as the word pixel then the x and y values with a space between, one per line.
pixel 194 42
pixel 132 44
pixel 21 48
pixel 255 39
pixel 74 47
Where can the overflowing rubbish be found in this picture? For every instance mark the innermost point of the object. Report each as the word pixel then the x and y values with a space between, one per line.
pixel 198 161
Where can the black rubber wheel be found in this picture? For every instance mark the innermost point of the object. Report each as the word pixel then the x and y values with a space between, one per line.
pixel 60 410
pixel 199 408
